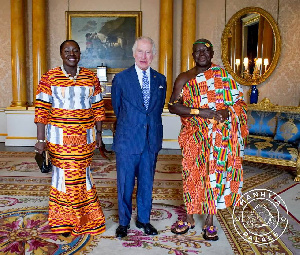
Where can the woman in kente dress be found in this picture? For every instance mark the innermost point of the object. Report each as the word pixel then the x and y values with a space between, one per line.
pixel 69 111
pixel 214 127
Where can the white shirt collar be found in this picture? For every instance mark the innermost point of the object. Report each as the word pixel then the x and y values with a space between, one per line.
pixel 138 70
pixel 140 74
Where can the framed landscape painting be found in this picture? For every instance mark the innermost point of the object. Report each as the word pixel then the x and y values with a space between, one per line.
pixel 105 38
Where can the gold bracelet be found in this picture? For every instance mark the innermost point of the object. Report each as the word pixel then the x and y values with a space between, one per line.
pixel 174 102
pixel 194 111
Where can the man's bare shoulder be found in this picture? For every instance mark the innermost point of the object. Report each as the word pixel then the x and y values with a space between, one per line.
pixel 184 77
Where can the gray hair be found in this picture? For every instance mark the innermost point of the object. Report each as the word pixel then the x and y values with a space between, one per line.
pixel 147 39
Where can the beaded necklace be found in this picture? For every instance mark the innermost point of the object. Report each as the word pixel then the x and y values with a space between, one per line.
pixel 69 75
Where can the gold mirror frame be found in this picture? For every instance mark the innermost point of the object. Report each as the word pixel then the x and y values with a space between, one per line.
pixel 277 48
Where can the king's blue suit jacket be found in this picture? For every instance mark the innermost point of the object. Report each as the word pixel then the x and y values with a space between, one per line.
pixel 135 124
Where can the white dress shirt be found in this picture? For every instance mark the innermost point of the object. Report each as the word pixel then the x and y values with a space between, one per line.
pixel 140 75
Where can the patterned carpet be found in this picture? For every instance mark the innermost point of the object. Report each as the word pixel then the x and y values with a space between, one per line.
pixel 24 198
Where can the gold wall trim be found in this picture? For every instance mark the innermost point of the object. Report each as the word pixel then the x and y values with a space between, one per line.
pixel 170 115
pixel 22 113
pixel 20 137
pixel 170 140
pixel 3 134
pixel 16 108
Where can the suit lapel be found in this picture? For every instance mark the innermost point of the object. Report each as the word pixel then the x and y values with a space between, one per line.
pixel 153 89
pixel 135 88
pixel 136 91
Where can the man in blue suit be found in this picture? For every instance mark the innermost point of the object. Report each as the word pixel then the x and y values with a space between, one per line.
pixel 138 97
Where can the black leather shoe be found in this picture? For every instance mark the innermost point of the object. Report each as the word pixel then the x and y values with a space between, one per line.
pixel 148 228
pixel 122 231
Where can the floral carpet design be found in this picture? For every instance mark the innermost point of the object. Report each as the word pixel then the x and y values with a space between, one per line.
pixel 24 227
pixel 25 230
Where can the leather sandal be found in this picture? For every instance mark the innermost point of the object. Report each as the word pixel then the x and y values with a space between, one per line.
pixel 181 227
pixel 210 233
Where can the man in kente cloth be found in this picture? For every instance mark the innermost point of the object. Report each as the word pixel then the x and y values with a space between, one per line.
pixel 212 138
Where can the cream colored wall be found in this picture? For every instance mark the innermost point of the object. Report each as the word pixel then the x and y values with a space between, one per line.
pixel 282 87
pixel 5 56
pixel 57 26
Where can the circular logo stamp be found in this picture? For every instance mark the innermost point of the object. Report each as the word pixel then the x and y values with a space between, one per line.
pixel 261 217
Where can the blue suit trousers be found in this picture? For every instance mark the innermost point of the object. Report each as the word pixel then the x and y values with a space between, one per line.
pixel 141 166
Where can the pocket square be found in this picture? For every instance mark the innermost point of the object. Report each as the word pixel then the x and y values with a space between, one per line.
pixel 160 87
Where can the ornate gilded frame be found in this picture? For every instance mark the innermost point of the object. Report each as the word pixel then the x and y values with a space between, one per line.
pixel 225 53
pixel 105 37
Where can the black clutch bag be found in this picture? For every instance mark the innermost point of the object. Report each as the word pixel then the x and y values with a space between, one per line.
pixel 43 162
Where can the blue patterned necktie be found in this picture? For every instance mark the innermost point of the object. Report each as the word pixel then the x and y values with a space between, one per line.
pixel 146 90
